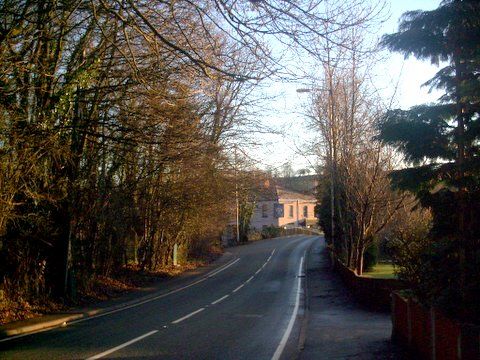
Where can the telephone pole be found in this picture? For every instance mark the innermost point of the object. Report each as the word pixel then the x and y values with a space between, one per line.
pixel 237 210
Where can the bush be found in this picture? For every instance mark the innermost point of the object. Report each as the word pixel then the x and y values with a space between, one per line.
pixel 270 232
pixel 431 266
pixel 254 235
pixel 370 258
pixel 407 241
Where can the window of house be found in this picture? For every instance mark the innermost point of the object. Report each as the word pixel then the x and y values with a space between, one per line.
pixel 264 210
pixel 305 211
pixel 290 211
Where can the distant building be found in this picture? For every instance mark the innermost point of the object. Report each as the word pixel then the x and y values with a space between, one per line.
pixel 281 207
pixel 280 202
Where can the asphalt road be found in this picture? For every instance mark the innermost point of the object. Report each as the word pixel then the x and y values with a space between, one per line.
pixel 248 308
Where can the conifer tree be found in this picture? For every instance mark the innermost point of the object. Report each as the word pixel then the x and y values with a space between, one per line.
pixel 440 143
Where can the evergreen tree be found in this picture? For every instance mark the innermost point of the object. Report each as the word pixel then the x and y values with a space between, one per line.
pixel 441 146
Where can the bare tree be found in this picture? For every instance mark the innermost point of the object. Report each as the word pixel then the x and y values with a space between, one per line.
pixel 344 111
pixel 108 150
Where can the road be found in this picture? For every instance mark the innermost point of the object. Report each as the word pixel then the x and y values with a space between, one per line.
pixel 248 308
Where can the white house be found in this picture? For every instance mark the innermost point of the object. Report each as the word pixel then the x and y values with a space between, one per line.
pixel 279 207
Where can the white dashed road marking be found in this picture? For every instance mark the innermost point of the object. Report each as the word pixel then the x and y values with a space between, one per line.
pixel 188 316
pixel 219 300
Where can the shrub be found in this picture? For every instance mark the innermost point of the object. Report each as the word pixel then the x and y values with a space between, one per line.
pixel 270 232
pixel 370 258
pixel 254 235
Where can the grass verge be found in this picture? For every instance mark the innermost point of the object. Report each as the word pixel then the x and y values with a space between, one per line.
pixel 381 271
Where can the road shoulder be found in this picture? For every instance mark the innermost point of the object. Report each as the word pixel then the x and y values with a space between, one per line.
pixel 50 321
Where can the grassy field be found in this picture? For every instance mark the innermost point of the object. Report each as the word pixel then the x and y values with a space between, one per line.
pixel 381 271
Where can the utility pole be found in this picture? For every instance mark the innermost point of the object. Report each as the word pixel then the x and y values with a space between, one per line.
pixel 333 167
pixel 298 221
pixel 333 152
pixel 236 196
pixel 332 149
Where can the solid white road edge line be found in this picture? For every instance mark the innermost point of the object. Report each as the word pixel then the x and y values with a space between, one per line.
pixel 187 316
pixel 226 266
pixel 138 303
pixel 218 300
pixel 156 297
pixel 105 353
pixel 286 335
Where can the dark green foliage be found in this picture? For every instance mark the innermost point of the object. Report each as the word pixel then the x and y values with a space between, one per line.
pixel 325 217
pixel 421 132
pixel 370 258
pixel 438 278
pixel 270 232
pixel 441 145
pixel 245 216
pixel 436 34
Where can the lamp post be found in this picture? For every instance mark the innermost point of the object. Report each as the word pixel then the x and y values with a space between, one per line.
pixel 237 210
pixel 332 156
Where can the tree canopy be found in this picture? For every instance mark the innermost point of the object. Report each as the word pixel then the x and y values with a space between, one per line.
pixel 117 120
pixel 440 144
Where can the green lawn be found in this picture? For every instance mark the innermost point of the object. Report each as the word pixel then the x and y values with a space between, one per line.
pixel 381 271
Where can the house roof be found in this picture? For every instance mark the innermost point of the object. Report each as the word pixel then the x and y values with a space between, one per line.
pixel 273 192
pixel 283 193
pixel 306 184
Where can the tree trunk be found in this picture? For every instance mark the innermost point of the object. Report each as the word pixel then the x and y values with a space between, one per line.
pixel 359 262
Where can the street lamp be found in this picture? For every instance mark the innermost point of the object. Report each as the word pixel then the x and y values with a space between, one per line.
pixel 237 210
pixel 305 90
pixel 332 158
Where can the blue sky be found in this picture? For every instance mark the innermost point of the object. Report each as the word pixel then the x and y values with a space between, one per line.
pixel 285 111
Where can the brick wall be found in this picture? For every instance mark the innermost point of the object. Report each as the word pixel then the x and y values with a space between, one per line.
pixel 430 334
pixel 372 292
